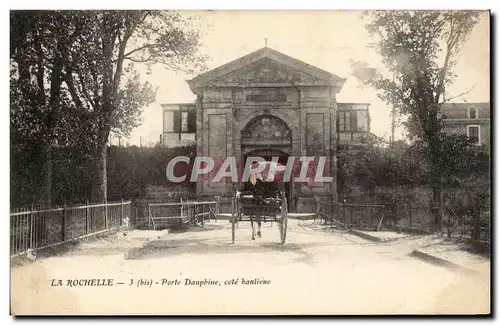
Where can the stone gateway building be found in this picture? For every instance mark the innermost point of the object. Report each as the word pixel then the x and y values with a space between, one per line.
pixel 267 104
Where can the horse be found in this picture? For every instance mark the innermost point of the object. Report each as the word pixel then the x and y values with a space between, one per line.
pixel 259 190
pixel 258 219
pixel 254 201
pixel 257 216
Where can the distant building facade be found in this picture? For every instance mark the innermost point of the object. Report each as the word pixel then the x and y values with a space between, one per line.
pixel 179 125
pixel 471 119
pixel 267 104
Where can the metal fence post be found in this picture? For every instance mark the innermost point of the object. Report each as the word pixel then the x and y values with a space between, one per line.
pixel 136 214
pixel 441 212
pixel 121 217
pixel 203 216
pixel 370 215
pixel 337 212
pixel 182 206
pixel 329 212
pixel 63 226
pixel 409 208
pixel 87 218
pixel 448 231
pixel 105 214
pixel 343 208
pixel 32 221
pixel 382 218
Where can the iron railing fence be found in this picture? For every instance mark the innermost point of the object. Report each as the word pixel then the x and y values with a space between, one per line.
pixel 348 215
pixel 183 213
pixel 405 216
pixel 38 228
pixel 475 226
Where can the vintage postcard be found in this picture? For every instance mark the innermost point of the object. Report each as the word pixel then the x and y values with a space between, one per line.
pixel 253 162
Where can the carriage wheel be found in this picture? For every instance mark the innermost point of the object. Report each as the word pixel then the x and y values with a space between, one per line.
pixel 283 223
pixel 234 216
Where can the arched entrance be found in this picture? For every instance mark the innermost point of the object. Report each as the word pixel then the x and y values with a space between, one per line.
pixel 268 136
pixel 266 132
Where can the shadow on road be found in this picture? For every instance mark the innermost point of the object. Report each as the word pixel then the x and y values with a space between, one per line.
pixel 144 245
pixel 166 248
pixel 205 228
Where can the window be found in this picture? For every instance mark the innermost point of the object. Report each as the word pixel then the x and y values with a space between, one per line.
pixel 472 112
pixel 352 121
pixel 346 120
pixel 353 125
pixel 184 122
pixel 473 133
pixel 342 121
pixel 362 120
pixel 168 121
pixel 179 125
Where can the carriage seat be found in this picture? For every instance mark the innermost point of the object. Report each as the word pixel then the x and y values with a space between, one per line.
pixel 262 190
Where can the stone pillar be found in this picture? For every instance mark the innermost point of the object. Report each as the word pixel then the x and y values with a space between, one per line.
pixel 315 128
pixel 199 135
pixel 333 145
pixel 218 135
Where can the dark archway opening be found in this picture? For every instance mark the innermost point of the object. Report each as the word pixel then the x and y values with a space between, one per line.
pixel 268 155
pixel 268 136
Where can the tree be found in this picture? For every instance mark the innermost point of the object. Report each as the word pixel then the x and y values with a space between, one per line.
pixel 74 78
pixel 375 165
pixel 104 59
pixel 39 45
pixel 420 49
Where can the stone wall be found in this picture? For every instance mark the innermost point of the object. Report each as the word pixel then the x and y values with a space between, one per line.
pixel 308 112
pixel 267 83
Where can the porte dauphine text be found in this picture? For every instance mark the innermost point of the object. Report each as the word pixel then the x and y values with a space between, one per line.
pixel 163 282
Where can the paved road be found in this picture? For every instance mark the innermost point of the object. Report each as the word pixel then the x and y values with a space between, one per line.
pixel 314 273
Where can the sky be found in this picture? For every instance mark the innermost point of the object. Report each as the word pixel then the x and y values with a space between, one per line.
pixel 327 39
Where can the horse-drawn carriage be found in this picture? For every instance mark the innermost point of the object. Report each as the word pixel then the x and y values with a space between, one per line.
pixel 262 199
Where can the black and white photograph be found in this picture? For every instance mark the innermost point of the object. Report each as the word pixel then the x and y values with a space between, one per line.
pixel 201 162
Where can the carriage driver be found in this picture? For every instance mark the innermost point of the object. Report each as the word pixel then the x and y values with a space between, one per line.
pixel 262 189
pixel 261 199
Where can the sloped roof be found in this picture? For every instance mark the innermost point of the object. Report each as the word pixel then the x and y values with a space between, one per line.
pixel 460 110
pixel 483 105
pixel 320 75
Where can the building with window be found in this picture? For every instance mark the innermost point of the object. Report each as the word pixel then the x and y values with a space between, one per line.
pixel 179 125
pixel 471 119
pixel 353 123
pixel 267 104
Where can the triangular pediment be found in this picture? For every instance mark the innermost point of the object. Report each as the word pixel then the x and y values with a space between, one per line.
pixel 267 71
pixel 266 67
